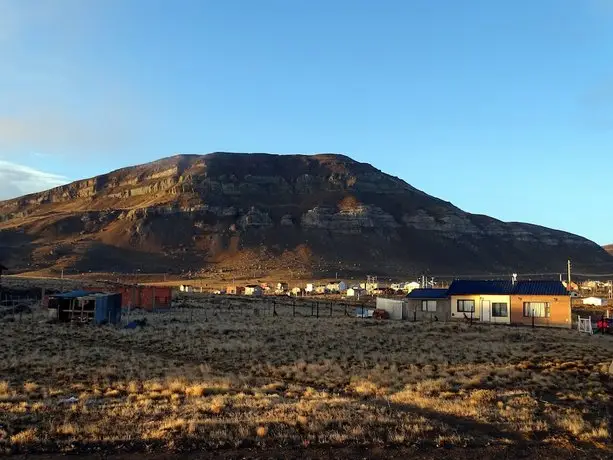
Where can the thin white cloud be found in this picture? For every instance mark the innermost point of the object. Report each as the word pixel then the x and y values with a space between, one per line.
pixel 54 132
pixel 17 180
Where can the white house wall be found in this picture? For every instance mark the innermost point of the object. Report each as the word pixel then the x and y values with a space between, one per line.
pixel 455 314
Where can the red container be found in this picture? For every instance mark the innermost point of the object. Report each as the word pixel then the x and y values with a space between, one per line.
pixel 146 297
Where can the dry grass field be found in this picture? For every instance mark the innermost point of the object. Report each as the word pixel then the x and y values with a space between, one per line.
pixel 227 378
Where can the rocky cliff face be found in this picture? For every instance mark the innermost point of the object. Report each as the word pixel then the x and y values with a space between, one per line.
pixel 320 213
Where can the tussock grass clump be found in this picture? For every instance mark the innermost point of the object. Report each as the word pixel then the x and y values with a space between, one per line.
pixel 5 388
pixel 26 436
pixel 30 387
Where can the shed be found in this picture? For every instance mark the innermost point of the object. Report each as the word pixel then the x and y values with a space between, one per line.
pixel 393 307
pixel 86 307
pixel 595 301
pixel 355 292
pixel 153 298
pixel 427 304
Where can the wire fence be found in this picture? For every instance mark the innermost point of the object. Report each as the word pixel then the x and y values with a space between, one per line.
pixel 276 306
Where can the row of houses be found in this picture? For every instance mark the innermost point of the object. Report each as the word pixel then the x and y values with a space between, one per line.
pixel 539 303
pixel 331 287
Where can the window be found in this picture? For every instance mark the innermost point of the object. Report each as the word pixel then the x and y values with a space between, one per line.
pixel 536 309
pixel 428 305
pixel 466 305
pixel 499 309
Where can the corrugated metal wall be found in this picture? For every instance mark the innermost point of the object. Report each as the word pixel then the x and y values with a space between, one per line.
pixel 108 309
pixel 147 297
pixel 391 306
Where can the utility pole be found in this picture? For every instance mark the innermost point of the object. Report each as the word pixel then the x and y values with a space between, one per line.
pixel 568 269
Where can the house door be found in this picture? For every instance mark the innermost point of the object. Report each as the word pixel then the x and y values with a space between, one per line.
pixel 486 311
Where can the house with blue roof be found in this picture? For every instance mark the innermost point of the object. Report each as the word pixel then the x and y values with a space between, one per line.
pixel 537 303
pixel 427 304
pixel 541 303
pixel 480 300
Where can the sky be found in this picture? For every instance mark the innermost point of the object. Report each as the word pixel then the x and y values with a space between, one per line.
pixel 503 108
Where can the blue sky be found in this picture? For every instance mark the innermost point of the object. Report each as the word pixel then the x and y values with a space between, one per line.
pixel 502 107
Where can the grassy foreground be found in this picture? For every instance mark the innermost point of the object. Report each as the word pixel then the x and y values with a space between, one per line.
pixel 233 379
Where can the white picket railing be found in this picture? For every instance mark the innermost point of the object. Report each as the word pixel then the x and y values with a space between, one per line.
pixel 585 325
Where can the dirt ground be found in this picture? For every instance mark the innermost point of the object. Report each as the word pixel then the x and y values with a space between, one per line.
pixel 230 380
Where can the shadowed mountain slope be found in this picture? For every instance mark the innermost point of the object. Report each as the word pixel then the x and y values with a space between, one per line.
pixel 243 212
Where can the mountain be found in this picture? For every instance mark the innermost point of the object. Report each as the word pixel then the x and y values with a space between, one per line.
pixel 310 215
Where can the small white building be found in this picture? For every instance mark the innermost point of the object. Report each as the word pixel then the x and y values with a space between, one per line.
pixel 310 287
pixel 253 290
pixel 186 288
pixel 356 292
pixel 595 301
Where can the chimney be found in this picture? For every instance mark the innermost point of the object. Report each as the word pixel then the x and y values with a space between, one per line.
pixel 514 280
